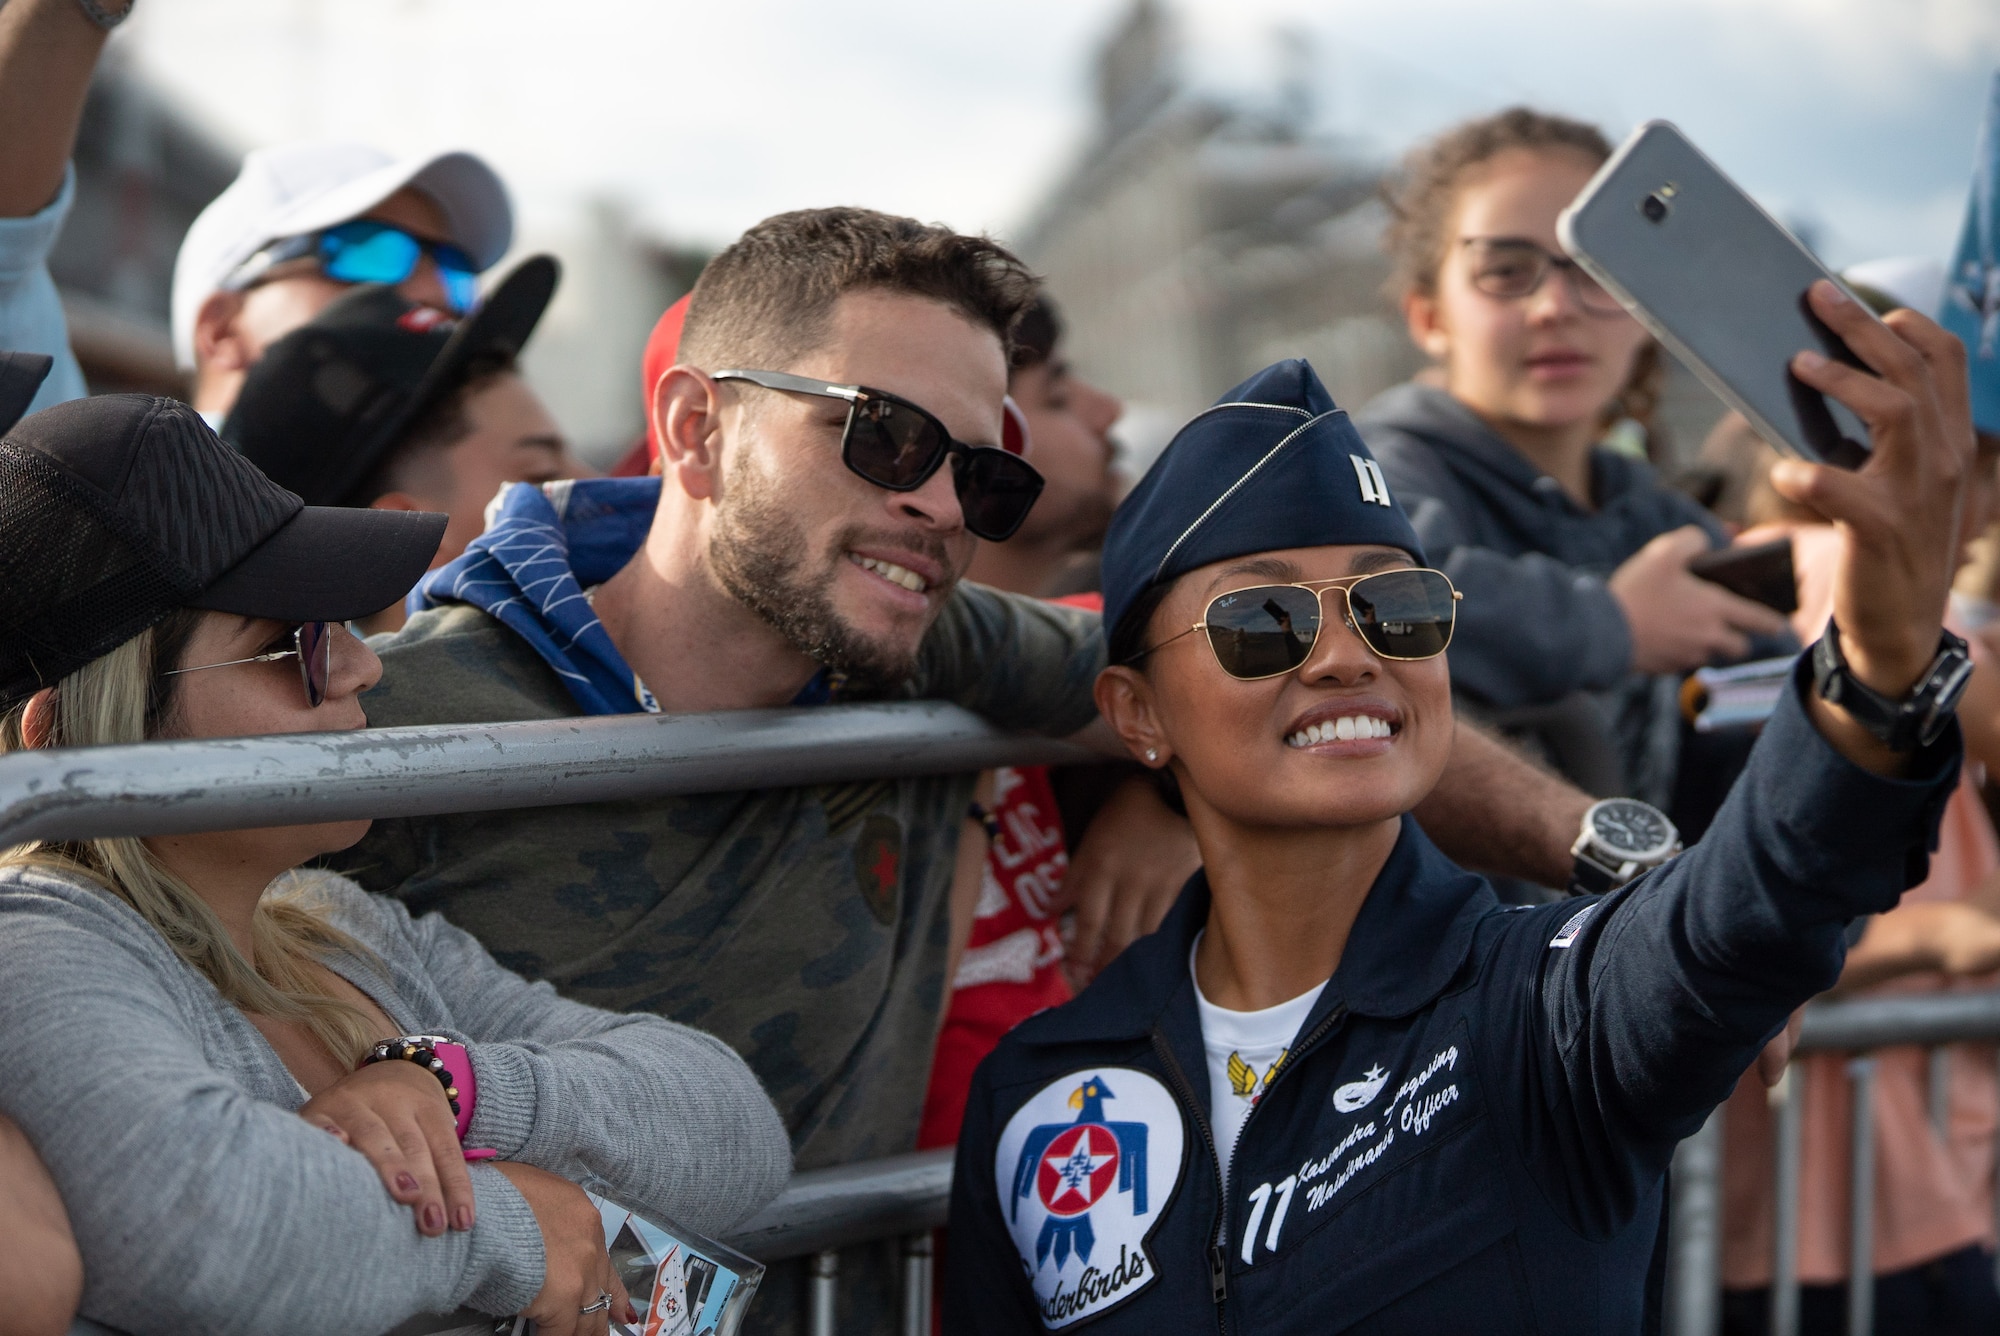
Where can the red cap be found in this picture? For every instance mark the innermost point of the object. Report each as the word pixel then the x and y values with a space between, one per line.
pixel 663 347
pixel 1014 438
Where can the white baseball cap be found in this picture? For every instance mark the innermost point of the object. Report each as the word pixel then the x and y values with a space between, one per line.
pixel 293 189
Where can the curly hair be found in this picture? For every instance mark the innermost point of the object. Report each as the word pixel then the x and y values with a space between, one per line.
pixel 1421 195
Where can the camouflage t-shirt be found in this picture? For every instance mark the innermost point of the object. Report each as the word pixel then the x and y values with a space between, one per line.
pixel 806 927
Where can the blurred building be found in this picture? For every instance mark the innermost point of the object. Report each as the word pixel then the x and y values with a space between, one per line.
pixel 584 358
pixel 1199 237
pixel 143 171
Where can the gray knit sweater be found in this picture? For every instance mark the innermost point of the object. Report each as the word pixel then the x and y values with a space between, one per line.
pixel 201 1202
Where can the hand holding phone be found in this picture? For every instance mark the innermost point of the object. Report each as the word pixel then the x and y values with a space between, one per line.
pixel 1901 512
pixel 1678 621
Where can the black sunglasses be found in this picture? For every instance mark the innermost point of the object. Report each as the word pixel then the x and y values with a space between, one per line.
pixel 892 443
pixel 312 642
pixel 1269 630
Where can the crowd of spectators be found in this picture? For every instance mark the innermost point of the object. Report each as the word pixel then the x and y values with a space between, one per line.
pixel 870 472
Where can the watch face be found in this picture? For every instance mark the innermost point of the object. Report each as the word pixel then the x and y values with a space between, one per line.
pixel 1632 829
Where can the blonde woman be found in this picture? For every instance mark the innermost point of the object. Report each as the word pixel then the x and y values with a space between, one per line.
pixel 184 1020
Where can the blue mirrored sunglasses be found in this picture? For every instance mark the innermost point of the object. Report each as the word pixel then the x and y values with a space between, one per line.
pixel 368 251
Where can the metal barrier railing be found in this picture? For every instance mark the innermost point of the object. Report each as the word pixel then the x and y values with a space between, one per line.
pixel 171 788
pixel 1859 1027
pixel 825 1210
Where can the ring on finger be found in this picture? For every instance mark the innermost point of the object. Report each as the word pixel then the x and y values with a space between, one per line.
pixel 603 1303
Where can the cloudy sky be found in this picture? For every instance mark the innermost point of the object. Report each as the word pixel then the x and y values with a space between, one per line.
pixel 1856 117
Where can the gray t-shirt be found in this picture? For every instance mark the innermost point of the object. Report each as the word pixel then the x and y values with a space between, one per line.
pixel 202 1202
pixel 806 927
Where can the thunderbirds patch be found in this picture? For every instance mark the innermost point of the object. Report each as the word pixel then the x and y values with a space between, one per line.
pixel 1085 1170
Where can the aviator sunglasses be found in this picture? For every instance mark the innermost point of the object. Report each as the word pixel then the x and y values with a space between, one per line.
pixel 894 444
pixel 367 251
pixel 1269 630
pixel 312 642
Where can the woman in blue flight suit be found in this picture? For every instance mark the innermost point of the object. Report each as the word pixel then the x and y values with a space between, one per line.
pixel 1464 1121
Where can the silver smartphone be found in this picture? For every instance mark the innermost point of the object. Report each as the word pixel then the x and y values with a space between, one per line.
pixel 1716 280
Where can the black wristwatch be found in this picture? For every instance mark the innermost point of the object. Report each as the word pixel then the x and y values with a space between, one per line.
pixel 1903 725
pixel 1621 838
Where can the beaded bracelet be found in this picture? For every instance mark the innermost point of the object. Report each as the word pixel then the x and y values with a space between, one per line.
pixel 420 1049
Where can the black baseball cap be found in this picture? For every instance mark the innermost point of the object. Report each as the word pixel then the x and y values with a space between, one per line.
pixel 327 402
pixel 116 510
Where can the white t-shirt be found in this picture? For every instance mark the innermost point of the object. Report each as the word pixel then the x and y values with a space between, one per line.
pixel 1244 1050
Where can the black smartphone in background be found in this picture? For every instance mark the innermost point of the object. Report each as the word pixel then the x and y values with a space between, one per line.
pixel 1761 573
pixel 1719 282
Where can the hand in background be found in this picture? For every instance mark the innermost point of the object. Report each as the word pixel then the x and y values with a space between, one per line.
pixel 1678 620
pixel 1135 857
pixel 41 1273
pixel 396 1114
pixel 1926 936
pixel 1772 1061
pixel 578 1269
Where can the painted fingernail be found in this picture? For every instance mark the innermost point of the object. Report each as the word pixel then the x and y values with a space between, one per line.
pixel 461 1219
pixel 405 1183
pixel 1811 360
pixel 434 1218
pixel 332 1131
pixel 631 1313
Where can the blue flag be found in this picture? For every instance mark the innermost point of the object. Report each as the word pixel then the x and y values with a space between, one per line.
pixel 1972 284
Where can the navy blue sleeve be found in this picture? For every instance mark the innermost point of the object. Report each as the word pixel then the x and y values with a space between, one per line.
pixel 1646 1006
pixel 984 1289
pixel 1531 629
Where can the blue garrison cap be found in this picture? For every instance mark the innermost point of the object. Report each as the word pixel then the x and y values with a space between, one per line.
pixel 1273 464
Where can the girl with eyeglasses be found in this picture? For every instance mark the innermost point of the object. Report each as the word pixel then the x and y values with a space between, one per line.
pixel 1343 1088
pixel 1512 452
pixel 271 1101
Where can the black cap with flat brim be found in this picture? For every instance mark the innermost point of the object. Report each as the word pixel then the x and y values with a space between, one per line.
pixel 327 403
pixel 329 564
pixel 116 510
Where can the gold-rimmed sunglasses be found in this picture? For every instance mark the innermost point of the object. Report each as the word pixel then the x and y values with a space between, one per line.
pixel 1268 630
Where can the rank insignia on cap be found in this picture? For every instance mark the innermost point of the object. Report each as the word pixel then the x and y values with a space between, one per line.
pixel 1373 489
pixel 1083 1187
pixel 1258 471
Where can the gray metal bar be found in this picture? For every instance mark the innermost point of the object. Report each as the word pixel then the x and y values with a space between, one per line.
pixel 1790 1098
pixel 1883 1022
pixel 825 1289
pixel 917 1260
pixel 166 788
pixel 1861 1201
pixel 1939 1072
pixel 848 1204
pixel 1694 1234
